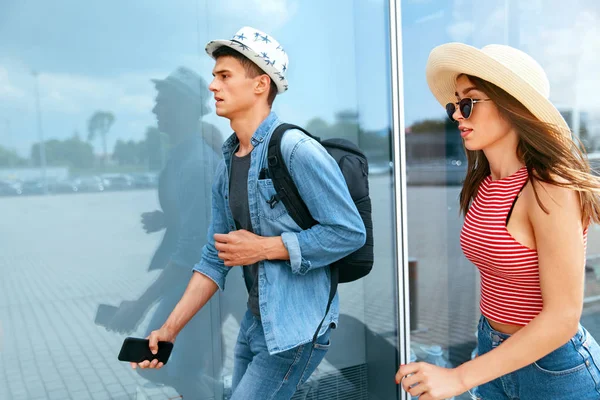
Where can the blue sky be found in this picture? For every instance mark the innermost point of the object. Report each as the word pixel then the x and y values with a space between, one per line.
pixel 102 55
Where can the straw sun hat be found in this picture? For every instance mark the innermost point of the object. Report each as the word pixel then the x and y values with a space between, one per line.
pixel 504 66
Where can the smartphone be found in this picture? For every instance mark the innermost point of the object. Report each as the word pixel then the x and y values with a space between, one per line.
pixel 104 314
pixel 138 350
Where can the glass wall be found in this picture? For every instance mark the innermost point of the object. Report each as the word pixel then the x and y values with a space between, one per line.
pixel 564 40
pixel 94 128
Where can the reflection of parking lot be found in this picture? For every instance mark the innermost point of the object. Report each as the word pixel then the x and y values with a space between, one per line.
pixel 82 184
pixel 444 172
pixel 452 171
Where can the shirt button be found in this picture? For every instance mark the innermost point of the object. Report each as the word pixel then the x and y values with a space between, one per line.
pixel 587 363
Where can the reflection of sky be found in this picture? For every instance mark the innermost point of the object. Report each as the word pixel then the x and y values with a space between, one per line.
pixel 101 55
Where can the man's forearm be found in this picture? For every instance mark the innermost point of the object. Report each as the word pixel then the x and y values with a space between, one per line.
pixel 198 292
pixel 274 249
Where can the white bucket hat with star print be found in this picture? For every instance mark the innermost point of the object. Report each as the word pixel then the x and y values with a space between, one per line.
pixel 260 48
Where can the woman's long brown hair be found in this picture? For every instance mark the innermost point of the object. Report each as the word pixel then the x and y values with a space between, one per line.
pixel 550 155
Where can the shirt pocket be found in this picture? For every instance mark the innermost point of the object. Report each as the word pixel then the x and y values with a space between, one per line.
pixel 268 206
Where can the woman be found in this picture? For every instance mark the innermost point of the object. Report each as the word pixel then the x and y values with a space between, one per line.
pixel 528 199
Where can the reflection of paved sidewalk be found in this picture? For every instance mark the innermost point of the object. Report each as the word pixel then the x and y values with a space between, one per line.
pixel 591 320
pixel 62 256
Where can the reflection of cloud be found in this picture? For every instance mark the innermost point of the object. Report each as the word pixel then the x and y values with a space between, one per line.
pixel 483 24
pixel 136 102
pixel 269 14
pixel 7 90
pixel 460 31
pixel 569 55
pixel 436 15
pixel 566 46
pixel 461 28
pixel 67 100
pixel 71 94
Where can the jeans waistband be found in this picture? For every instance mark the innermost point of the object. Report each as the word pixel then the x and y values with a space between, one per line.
pixel 486 328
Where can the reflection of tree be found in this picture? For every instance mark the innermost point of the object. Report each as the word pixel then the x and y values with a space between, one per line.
pixel 430 126
pixel 127 153
pixel 98 125
pixel 376 144
pixel 10 158
pixel 317 126
pixel 433 140
pixel 73 152
pixel 150 151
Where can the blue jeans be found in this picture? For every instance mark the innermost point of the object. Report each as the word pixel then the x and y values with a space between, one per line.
pixel 570 372
pixel 259 375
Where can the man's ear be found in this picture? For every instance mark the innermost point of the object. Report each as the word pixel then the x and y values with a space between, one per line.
pixel 263 84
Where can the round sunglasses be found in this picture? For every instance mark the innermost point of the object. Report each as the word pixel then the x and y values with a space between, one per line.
pixel 465 106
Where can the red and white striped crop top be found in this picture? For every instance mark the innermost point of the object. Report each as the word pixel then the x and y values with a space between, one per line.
pixel 510 279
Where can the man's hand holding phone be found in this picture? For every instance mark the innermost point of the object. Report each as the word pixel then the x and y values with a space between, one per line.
pixel 160 335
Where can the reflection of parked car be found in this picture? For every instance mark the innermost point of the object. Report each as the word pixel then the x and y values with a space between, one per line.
pixel 145 180
pixel 594 159
pixel 89 184
pixel 440 172
pixel 117 182
pixel 62 186
pixel 381 167
pixel 34 186
pixel 10 188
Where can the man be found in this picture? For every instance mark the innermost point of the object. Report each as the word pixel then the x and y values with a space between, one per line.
pixel 285 268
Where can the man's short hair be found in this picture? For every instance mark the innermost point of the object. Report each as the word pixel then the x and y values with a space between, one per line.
pixel 252 70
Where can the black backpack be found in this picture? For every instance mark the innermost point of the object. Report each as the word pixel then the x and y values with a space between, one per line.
pixel 355 168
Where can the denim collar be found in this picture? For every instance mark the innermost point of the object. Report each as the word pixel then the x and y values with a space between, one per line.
pixel 263 130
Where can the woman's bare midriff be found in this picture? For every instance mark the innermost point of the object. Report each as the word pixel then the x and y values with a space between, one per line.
pixel 504 328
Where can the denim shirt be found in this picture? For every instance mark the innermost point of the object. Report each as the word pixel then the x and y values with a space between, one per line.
pixel 293 294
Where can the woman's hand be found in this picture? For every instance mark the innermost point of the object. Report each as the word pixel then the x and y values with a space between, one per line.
pixel 430 382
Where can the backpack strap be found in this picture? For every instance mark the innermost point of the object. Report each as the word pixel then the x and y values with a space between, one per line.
pixel 285 189
pixel 287 193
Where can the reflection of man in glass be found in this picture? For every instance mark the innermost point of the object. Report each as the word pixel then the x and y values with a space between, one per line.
pixel 184 194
